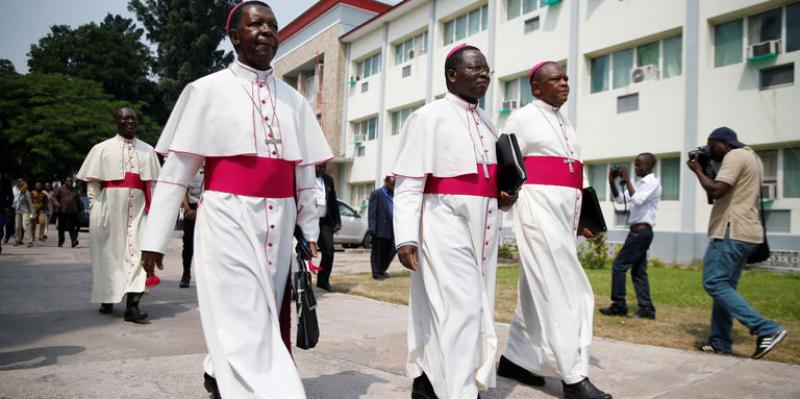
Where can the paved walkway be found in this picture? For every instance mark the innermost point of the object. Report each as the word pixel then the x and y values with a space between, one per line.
pixel 54 344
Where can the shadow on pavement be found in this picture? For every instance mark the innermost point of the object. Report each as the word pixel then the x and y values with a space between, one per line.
pixel 347 384
pixel 46 356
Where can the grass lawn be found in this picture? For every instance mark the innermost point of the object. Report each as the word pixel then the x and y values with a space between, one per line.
pixel 683 307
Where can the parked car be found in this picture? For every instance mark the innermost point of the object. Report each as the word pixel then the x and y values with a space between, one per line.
pixel 83 218
pixel 355 228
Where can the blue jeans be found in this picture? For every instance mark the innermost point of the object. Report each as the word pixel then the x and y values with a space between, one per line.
pixel 722 267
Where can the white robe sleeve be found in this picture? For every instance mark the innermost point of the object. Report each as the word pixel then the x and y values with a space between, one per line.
pixel 408 210
pixel 307 217
pixel 93 189
pixel 178 171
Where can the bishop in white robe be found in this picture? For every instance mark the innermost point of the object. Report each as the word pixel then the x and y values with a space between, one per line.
pixel 446 225
pixel 551 330
pixel 258 140
pixel 120 174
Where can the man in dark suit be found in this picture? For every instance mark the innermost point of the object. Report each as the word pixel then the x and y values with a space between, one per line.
pixel 381 229
pixel 329 223
pixel 6 203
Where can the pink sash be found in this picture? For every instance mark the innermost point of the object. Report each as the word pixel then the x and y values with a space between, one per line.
pixel 132 180
pixel 473 184
pixel 250 176
pixel 553 171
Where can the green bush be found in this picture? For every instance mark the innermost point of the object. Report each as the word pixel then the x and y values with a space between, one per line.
pixel 506 251
pixel 593 253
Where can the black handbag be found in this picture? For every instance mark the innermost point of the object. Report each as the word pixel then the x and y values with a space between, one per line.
pixel 307 324
pixel 762 252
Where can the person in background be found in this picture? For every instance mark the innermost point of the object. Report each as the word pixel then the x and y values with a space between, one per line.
pixel 24 213
pixel 40 204
pixel 67 203
pixel 11 220
pixel 329 223
pixel 6 202
pixel 381 202
pixel 189 206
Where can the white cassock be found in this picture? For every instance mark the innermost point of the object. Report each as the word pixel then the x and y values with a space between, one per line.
pixel 118 213
pixel 451 335
pixel 259 141
pixel 551 330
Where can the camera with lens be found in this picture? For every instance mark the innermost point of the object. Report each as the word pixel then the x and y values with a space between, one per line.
pixel 703 156
pixel 615 171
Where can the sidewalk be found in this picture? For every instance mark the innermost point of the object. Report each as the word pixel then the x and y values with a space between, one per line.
pixel 54 344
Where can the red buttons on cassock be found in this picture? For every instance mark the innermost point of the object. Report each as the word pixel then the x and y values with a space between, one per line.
pixel 263 101
pixel 269 207
pixel 274 152
pixel 272 226
pixel 269 244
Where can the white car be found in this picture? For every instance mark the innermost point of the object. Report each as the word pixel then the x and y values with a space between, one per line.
pixel 355 228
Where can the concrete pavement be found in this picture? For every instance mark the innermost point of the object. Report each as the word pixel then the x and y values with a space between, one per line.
pixel 54 344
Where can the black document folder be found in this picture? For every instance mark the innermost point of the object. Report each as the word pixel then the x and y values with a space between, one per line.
pixel 510 166
pixel 591 214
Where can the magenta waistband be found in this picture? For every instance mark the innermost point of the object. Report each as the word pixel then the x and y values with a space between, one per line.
pixel 553 171
pixel 250 176
pixel 132 180
pixel 473 184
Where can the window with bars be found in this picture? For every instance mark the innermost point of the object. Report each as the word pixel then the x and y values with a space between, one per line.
pixel 614 70
pixel 399 118
pixel 466 24
pixel 370 66
pixel 408 49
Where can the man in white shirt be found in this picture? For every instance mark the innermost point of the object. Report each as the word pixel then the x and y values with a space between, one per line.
pixel 643 199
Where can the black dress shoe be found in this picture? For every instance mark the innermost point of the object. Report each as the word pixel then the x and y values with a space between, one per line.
pixel 616 309
pixel 210 383
pixel 509 369
pixel 385 274
pixel 185 279
pixel 583 390
pixel 106 308
pixel 422 388
pixel 645 314
pixel 134 315
pixel 378 277
pixel 74 243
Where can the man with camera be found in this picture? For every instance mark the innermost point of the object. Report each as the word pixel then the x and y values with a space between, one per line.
pixel 736 232
pixel 644 202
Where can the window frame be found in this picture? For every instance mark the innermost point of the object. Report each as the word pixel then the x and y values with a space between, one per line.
pixel 483 24
pixel 370 60
pixel 634 63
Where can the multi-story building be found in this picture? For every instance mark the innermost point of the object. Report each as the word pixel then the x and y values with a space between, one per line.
pixel 311 59
pixel 646 76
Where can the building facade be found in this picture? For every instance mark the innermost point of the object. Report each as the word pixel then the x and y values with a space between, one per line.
pixel 645 77
pixel 311 59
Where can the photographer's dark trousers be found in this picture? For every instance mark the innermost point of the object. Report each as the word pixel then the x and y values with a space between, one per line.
pixel 188 244
pixel 722 267
pixel 67 222
pixel 633 256
pixel 383 252
pixel 325 246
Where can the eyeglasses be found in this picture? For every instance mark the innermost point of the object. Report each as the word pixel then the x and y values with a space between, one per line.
pixel 478 69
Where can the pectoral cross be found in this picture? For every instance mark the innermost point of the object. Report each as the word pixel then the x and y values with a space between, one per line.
pixel 569 162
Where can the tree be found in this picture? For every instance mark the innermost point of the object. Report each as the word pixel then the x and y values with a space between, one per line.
pixel 111 53
pixel 7 67
pixel 49 122
pixel 188 34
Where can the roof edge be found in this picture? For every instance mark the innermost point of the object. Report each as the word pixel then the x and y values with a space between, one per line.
pixel 323 6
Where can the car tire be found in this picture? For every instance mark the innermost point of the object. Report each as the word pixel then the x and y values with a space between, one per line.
pixel 367 243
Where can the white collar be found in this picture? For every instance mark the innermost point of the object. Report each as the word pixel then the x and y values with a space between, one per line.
pixel 460 102
pixel 543 105
pixel 124 140
pixel 249 73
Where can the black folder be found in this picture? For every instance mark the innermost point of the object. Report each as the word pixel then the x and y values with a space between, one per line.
pixel 511 173
pixel 591 214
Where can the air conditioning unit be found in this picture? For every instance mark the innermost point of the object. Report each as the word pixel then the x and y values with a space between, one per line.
pixel 764 49
pixel 509 104
pixel 769 190
pixel 410 54
pixel 644 72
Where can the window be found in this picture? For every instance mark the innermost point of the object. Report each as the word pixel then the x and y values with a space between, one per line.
pixel 670 176
pixel 765 26
pixel 769 159
pixel 598 179
pixel 370 66
pixel 728 43
pixel 781 23
pixel 406 72
pixel 364 87
pixel 310 88
pixel 518 90
pixel 780 75
pixel 615 68
pixel 366 129
pixel 466 25
pixel 628 103
pixel 515 8
pixel 600 73
pixel 791 172
pixel 778 220
pixel 360 150
pixel 531 25
pixel 359 196
pixel 399 118
pixel 411 48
